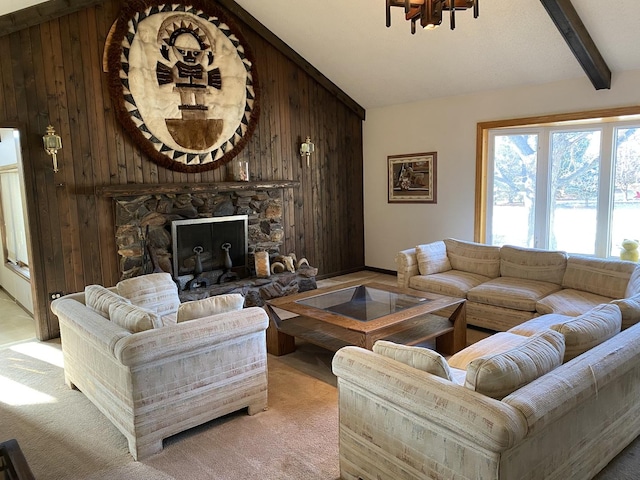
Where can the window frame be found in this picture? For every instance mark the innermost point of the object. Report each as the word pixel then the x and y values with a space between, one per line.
pixel 530 124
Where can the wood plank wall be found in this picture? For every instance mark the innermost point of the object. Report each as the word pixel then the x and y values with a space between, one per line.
pixel 52 73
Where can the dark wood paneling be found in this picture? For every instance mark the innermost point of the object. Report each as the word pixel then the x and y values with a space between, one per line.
pixel 52 73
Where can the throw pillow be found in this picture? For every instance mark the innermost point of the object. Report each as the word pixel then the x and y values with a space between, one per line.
pixel 589 329
pixel 133 318
pixel 210 306
pixel 630 309
pixel 498 375
pixel 432 258
pixel 98 299
pixel 156 292
pixel 416 357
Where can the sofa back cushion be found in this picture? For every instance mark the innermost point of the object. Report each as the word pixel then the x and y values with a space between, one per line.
pixel 432 258
pixel 630 310
pixel 608 278
pixel 589 329
pixel 496 375
pixel 98 299
pixel 133 318
pixel 419 358
pixel 210 306
pixel 156 292
pixel 532 264
pixel 473 257
pixel 633 287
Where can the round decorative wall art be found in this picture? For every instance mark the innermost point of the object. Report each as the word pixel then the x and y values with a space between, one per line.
pixel 183 82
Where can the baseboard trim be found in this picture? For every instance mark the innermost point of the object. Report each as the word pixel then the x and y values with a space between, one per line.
pixel 382 270
pixel 356 269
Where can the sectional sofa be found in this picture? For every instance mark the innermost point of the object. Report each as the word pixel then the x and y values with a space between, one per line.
pixel 554 398
pixel 505 286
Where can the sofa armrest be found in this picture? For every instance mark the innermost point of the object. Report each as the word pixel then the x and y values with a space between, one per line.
pixel 429 400
pixel 407 265
pixel 190 336
pixel 92 326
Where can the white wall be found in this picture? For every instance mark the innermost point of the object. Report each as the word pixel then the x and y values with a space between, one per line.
pixel 14 284
pixel 448 126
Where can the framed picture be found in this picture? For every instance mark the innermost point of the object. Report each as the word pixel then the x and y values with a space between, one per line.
pixel 412 178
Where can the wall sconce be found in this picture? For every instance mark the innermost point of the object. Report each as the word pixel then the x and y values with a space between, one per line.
pixel 306 149
pixel 52 143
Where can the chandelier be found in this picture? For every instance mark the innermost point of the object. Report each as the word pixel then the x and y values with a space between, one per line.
pixel 429 12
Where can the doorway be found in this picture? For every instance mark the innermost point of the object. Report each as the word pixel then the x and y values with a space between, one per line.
pixel 16 321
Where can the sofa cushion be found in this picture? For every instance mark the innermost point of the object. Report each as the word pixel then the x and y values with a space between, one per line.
pixel 512 292
pixel 496 375
pixel 416 357
pixel 608 278
pixel 533 264
pixel 570 302
pixel 453 283
pixel 630 309
pixel 133 318
pixel 210 306
pixel 98 299
pixel 633 287
pixel 156 292
pixel 432 258
pixel 589 329
pixel 496 343
pixel 539 324
pixel 473 257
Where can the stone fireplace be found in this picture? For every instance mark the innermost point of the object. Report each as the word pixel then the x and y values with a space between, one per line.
pixel 144 215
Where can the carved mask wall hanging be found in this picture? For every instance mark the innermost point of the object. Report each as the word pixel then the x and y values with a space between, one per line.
pixel 183 82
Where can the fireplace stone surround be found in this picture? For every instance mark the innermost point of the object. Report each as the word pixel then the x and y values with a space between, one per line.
pixel 143 216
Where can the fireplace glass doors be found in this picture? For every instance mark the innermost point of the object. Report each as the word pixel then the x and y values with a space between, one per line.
pixel 201 245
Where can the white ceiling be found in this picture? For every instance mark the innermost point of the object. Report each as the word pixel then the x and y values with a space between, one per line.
pixel 512 43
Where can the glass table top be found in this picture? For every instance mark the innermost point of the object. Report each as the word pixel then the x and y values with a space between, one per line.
pixel 362 302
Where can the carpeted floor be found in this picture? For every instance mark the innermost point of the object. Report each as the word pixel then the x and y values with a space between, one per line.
pixel 63 436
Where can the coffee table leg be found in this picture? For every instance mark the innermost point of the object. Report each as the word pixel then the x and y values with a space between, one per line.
pixel 453 342
pixel 278 343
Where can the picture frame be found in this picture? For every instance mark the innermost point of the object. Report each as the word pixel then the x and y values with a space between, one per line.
pixel 412 178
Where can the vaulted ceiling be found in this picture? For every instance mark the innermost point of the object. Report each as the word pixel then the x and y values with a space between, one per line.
pixel 510 44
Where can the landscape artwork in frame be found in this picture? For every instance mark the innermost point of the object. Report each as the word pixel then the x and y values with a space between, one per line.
pixel 412 178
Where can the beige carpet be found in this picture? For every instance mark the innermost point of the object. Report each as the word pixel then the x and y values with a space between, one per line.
pixel 63 436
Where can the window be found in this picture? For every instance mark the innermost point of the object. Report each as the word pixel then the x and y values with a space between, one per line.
pixel 571 185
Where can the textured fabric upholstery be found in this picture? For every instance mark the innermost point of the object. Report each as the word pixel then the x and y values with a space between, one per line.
pixel 532 264
pixel 432 258
pixel 584 332
pixel 473 257
pixel 397 422
pixel 454 283
pixel 608 278
pixel 159 382
pixel 511 292
pixel 569 302
pixel 630 309
pixel 508 285
pixel 417 357
pixel 132 317
pixel 499 374
pixel 496 343
pixel 156 292
pixel 99 298
pixel 538 324
pixel 209 306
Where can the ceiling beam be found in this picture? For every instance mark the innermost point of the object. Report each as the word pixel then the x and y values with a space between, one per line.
pixel 43 12
pixel 574 32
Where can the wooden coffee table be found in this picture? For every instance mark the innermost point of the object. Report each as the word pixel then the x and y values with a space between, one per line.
pixel 359 313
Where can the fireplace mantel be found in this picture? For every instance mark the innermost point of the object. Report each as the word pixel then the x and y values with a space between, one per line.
pixel 134 189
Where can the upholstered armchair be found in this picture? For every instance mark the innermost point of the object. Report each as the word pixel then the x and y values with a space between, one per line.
pixel 153 373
